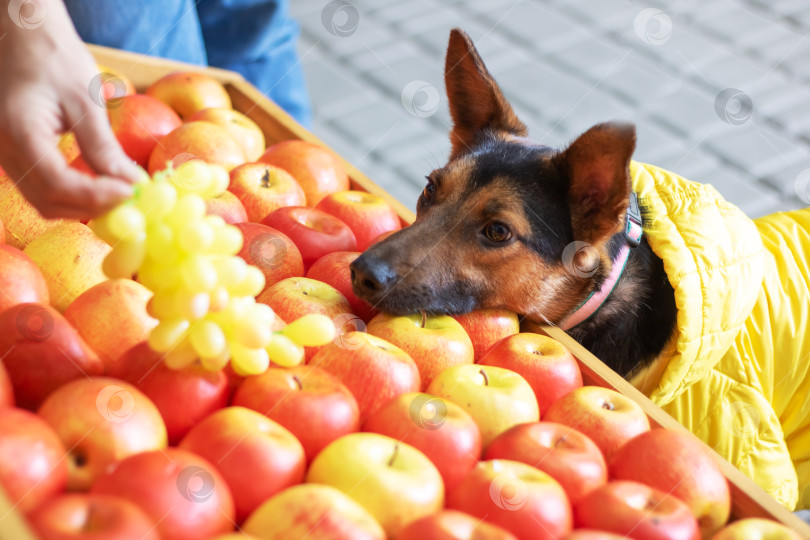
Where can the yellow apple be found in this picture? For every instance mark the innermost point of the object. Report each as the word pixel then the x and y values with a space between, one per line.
pixel 496 398
pixel 242 129
pixel 70 257
pixel 111 317
pixel 203 140
pixel 759 528
pixel 394 481
pixel 188 92
pixel 314 512
pixel 435 342
pixel 21 220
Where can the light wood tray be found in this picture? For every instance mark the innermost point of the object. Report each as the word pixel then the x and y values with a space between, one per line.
pixel 748 499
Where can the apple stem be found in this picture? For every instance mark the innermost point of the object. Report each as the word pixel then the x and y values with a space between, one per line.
pixel 393 456
pixel 424 318
pixel 298 382
pixel 266 178
pixel 484 375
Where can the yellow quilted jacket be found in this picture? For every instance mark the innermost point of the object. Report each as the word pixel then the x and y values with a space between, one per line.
pixel 737 370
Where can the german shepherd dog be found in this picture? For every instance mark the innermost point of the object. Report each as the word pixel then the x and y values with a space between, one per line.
pixel 495 226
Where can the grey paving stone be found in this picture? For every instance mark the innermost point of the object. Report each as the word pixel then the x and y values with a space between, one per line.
pixel 368 34
pixel 735 26
pixel 695 164
pixel 602 14
pixel 796 118
pixel 593 107
pixel 782 52
pixel 756 149
pixel 594 57
pixel 731 70
pixel 792 181
pixel 540 28
pixel 381 57
pixel 638 80
pixel 656 145
pixel 397 12
pixel 436 20
pixel 430 149
pixel 688 111
pixel 377 123
pixel 491 9
pixel 777 102
pixel 332 89
pixel 684 50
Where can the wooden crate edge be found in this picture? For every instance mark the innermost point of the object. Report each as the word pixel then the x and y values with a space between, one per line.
pixel 748 499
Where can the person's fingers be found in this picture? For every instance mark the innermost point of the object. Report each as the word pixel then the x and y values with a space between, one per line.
pixel 99 147
pixel 60 191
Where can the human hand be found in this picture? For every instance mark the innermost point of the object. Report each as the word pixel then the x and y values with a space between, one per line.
pixel 46 73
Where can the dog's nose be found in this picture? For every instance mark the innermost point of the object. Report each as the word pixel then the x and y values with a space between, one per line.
pixel 371 275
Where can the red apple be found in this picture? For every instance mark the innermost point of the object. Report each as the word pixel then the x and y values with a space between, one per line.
pixel 256 456
pixel 41 352
pixel 101 421
pixel 591 534
pixel 188 92
pixel 32 464
pixel 333 269
pixel 87 516
pixel 295 297
pixel 228 207
pixel 182 493
pixel 760 528
pixel 111 317
pixel 318 170
pixel 523 500
pixel 20 279
pixel 679 464
pixel 203 140
pixel 486 327
pixel 551 370
pixel 607 417
pixel 442 430
pixel 314 512
pixel 6 388
pixel 382 236
pixel 310 402
pixel 567 455
pixel 263 188
pixel 115 84
pixel 374 370
pixel 367 215
pixel 202 391
pixel 637 510
pixel 453 525
pixel 242 129
pixel 271 251
pixel 435 342
pixel 138 122
pixel 316 233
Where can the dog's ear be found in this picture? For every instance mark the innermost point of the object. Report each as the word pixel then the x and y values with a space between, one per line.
pixel 476 101
pixel 597 168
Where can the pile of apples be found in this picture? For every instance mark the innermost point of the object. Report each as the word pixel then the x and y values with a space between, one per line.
pixel 405 427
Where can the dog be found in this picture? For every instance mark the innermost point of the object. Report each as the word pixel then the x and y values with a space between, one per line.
pixel 701 308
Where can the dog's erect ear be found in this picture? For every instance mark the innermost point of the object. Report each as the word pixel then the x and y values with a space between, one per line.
pixel 597 168
pixel 476 101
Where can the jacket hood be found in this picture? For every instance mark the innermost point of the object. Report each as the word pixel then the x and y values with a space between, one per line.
pixel 714 258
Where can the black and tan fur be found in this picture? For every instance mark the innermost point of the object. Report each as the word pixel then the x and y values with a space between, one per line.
pixel 493 223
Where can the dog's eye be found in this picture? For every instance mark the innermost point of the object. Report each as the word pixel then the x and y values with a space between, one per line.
pixel 430 188
pixel 497 232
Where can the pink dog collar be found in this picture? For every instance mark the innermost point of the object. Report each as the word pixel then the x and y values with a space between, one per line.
pixel 591 305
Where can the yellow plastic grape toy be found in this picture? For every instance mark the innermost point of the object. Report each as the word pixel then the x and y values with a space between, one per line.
pixel 204 294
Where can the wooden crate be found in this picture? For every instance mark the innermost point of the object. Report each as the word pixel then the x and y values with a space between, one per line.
pixel 748 499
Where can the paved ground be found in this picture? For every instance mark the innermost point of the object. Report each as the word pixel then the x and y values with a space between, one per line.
pixel 719 89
